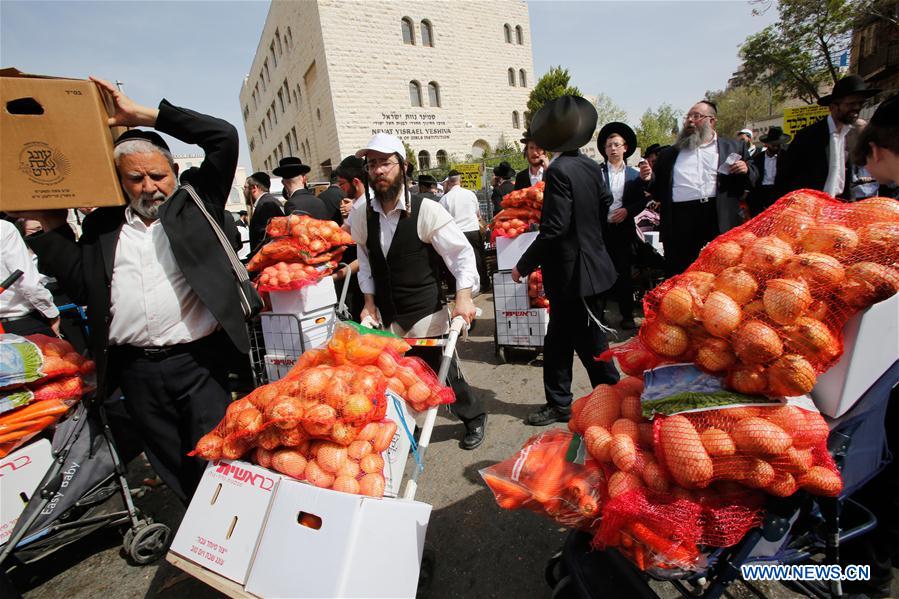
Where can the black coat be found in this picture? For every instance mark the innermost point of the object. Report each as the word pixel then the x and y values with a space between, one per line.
pixel 523 178
pixel 570 247
pixel 331 198
pixel 729 192
pixel 84 268
pixel 806 163
pixel 304 201
pixel 266 208
pixel 499 192
pixel 762 196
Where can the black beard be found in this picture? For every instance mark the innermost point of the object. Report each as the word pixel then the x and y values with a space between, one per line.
pixel 391 193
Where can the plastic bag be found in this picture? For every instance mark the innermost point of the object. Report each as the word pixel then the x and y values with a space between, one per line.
pixel 20 361
pixel 20 425
pixel 60 358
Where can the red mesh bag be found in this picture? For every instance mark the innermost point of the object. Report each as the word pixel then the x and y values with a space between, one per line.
pixel 313 235
pixel 521 211
pixel 536 292
pixel 288 249
pixel 529 197
pixel 277 227
pixel 70 387
pixel 417 384
pixel 286 277
pixel 540 478
pixel 60 358
pixel 765 303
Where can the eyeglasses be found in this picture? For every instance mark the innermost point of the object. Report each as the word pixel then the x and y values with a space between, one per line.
pixel 695 116
pixel 614 145
pixel 374 164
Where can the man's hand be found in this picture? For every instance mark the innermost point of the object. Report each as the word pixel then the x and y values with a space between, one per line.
pixel 464 306
pixel 739 168
pixel 516 276
pixel 645 171
pixel 618 215
pixel 544 161
pixel 54 326
pixel 369 311
pixel 128 113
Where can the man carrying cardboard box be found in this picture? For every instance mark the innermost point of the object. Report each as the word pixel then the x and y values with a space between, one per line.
pixel 161 296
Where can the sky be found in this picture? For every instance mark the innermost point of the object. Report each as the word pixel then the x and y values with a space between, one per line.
pixel 196 54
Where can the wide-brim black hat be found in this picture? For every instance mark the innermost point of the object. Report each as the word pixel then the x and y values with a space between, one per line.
pixel 887 114
pixel 775 135
pixel 262 178
pixel 426 180
pixel 652 149
pixel 290 167
pixel 850 85
pixel 630 138
pixel 564 124
pixel 504 170
pixel 150 136
pixel 526 137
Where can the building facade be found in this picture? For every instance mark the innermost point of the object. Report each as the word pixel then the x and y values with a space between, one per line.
pixel 875 49
pixel 235 201
pixel 450 79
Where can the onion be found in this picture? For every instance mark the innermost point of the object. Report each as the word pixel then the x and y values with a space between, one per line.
pixel 830 238
pixel 791 225
pixel 811 338
pixel 676 306
pixel 718 255
pixel 868 283
pixel 699 281
pixel 743 238
pixel 878 242
pixel 665 339
pixel 767 254
pixel 786 299
pixel 737 283
pixel 790 375
pixel 715 355
pixel 818 310
pixel 754 309
pixel 804 202
pixel 816 269
pixel 755 343
pixel 874 210
pixel 749 379
pixel 720 314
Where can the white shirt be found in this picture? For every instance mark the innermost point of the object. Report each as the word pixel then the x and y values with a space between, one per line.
pixel 696 173
pixel 616 186
pixel 770 169
pixel 535 178
pixel 244 252
pixel 836 159
pixel 462 204
pixel 152 304
pixel 28 293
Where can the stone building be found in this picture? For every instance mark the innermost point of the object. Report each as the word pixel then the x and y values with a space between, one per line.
pixel 449 78
pixel 875 49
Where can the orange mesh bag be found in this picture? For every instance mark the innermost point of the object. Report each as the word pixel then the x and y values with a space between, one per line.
pixel 542 478
pixel 281 249
pixel 315 236
pixel 70 387
pixel 521 212
pixel 529 197
pixel 277 227
pixel 285 276
pixel 764 304
pixel 536 292
pixel 60 358
pixel 417 384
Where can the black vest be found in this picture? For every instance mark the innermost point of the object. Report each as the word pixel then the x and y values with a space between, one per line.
pixel 407 280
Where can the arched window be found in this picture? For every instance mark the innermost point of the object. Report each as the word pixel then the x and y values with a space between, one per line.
pixel 508 31
pixel 434 94
pixel 427 34
pixel 522 79
pixel 479 148
pixel 512 77
pixel 519 35
pixel 408 31
pixel 424 161
pixel 415 93
pixel 516 122
pixel 441 158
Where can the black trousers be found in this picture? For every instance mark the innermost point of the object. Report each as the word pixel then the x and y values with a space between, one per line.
pixel 572 330
pixel 468 406
pixel 693 225
pixel 173 401
pixel 29 324
pixel 620 244
pixel 760 198
pixel 477 244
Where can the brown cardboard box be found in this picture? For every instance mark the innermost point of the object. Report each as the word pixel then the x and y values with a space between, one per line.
pixel 57 146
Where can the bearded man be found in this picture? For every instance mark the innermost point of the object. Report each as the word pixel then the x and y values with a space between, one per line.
pixel 699 182
pixel 162 302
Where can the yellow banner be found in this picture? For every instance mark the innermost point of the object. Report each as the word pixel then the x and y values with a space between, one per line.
pixel 470 175
pixel 803 116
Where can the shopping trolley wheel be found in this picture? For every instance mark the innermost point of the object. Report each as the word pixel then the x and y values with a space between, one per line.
pixel 147 543
pixel 501 355
pixel 426 573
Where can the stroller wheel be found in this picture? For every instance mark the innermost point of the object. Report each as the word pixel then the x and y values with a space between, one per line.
pixel 146 544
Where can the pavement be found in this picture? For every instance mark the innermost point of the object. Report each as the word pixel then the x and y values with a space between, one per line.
pixel 481 550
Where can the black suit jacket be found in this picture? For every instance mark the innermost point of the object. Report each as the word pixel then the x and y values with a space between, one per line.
pixel 84 268
pixel 806 163
pixel 331 199
pixel 633 200
pixel 570 247
pixel 266 208
pixel 523 178
pixel 499 192
pixel 305 202
pixel 729 192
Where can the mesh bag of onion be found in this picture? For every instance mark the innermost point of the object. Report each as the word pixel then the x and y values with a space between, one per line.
pixel 541 478
pixel 287 277
pixel 765 303
pixel 313 235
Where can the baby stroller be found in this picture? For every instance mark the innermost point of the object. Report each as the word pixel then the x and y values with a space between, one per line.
pixel 800 529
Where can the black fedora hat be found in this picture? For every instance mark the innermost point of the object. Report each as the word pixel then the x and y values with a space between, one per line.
pixel 564 124
pixel 774 135
pixel 290 167
pixel 626 133
pixel 426 180
pixel 526 137
pixel 504 170
pixel 887 114
pixel 850 85
pixel 150 136
pixel 652 149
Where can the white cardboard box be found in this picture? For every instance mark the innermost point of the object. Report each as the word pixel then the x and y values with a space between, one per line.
pixel 525 328
pixel 396 455
pixel 653 239
pixel 509 250
pixel 20 474
pixel 225 518
pixel 364 547
pixel 870 346
pixel 282 336
pixel 277 366
pixel 307 299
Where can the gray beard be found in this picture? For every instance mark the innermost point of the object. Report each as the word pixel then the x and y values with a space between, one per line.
pixel 147 205
pixel 691 141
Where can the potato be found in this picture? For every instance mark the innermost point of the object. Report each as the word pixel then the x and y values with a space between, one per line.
pixel 623 426
pixel 623 452
pixel 598 442
pixel 655 477
pixel 821 481
pixel 622 482
pixel 759 437
pixel 717 442
pixel 681 448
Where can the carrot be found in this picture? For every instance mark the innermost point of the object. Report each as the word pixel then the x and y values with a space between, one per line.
pixel 31 427
pixel 35 410
pixel 640 556
pixel 670 549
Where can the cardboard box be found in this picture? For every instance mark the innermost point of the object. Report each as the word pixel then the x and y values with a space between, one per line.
pixel 277 366
pixel 525 328
pixel 509 250
pixel 870 347
pixel 225 518
pixel 397 454
pixel 363 547
pixel 308 299
pixel 289 336
pixel 20 474
pixel 57 145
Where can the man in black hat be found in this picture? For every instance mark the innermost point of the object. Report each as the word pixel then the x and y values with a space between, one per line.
pixel 503 174
pixel 463 206
pixel 571 251
pixel 651 153
pixel 617 142
pixel 351 179
pixel 767 164
pixel 427 186
pixel 877 146
pixel 299 199
pixel 331 198
pixel 818 158
pixel 537 163
pixel 265 206
pixel 162 302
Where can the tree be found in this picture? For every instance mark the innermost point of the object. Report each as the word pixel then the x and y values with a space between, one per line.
pixel 410 156
pixel 658 126
pixel 799 53
pixel 738 106
pixel 608 111
pixel 552 85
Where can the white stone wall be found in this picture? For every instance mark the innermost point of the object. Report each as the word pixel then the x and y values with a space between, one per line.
pixel 363 70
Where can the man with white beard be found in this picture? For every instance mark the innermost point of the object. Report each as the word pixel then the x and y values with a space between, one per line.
pixel 698 182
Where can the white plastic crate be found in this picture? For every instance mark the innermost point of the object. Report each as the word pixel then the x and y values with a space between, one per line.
pixel 526 328
pixel 507 294
pixel 289 335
